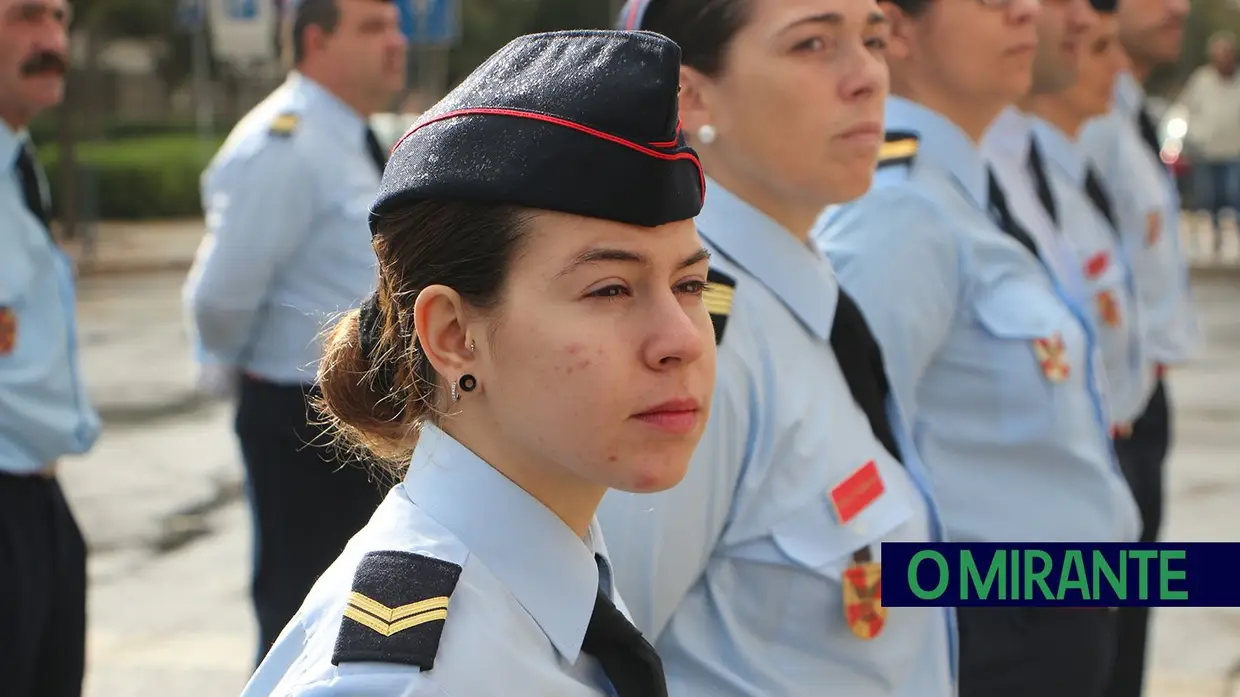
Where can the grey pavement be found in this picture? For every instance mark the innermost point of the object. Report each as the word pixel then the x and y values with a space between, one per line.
pixel 160 502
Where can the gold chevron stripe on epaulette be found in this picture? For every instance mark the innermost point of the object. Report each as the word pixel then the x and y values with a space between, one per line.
pixel 897 150
pixel 388 621
pixel 718 298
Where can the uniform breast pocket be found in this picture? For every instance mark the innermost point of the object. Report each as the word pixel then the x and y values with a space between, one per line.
pixel 807 595
pixel 1025 355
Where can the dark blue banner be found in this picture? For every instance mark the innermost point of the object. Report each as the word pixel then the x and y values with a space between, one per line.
pixel 1194 574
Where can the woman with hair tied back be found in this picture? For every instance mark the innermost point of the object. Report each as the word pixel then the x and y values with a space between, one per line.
pixel 538 336
pixel 759 575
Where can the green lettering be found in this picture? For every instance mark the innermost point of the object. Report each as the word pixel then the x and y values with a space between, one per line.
pixel 913 583
pixel 1102 567
pixel 1014 580
pixel 970 577
pixel 1038 576
pixel 1167 574
pixel 1144 556
pixel 1072 575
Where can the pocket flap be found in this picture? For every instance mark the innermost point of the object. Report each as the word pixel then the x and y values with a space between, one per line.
pixel 1016 310
pixel 814 538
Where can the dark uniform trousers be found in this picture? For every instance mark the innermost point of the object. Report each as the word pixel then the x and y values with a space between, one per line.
pixel 42 591
pixel 306 501
pixel 1142 456
pixel 1035 651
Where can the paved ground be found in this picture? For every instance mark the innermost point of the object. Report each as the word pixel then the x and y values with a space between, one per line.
pixel 160 501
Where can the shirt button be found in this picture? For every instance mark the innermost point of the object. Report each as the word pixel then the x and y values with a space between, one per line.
pixel 860 529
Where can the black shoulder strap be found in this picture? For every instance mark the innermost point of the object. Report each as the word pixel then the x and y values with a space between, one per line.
pixel 861 360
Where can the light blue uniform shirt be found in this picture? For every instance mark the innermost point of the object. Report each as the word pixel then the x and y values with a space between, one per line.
pixel 1147 205
pixel 737 571
pixel 961 310
pixel 516 620
pixel 1107 271
pixel 288 245
pixel 44 409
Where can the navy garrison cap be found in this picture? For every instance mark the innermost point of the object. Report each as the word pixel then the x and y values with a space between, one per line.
pixel 581 122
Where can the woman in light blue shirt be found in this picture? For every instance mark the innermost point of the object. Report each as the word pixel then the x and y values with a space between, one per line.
pixel 995 368
pixel 758 575
pixel 538 336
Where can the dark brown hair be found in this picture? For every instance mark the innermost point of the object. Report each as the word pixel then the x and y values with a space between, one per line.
pixel 375 402
pixel 704 29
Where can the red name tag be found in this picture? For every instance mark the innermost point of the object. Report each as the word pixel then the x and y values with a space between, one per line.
pixel 854 494
pixel 1097 264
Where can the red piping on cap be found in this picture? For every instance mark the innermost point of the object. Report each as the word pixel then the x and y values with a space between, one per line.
pixel 669 143
pixel 554 120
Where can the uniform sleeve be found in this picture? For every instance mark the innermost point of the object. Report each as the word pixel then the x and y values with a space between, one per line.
pixel 660 543
pixel 371 680
pixel 896 254
pixel 258 210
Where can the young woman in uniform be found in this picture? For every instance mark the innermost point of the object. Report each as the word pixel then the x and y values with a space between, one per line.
pixel 538 336
pixel 997 373
pixel 758 576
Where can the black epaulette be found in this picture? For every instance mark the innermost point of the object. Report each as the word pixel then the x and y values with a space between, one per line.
pixel 720 290
pixel 284 125
pixel 899 148
pixel 397 609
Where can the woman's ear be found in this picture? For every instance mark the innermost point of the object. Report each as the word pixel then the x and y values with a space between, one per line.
pixel 694 101
pixel 899 42
pixel 439 320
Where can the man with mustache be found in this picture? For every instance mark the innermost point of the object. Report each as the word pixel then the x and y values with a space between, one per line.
pixel 1125 148
pixel 44 411
pixel 287 249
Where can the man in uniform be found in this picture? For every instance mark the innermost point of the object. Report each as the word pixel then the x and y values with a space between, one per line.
pixel 1125 148
pixel 287 248
pixel 44 412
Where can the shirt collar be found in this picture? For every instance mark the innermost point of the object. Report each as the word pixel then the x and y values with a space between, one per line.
pixel 1061 151
pixel 550 571
pixel 1129 94
pixel 796 272
pixel 1011 132
pixel 941 144
pixel 11 143
pixel 324 105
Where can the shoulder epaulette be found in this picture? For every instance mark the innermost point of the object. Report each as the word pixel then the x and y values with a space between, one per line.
pixel 284 125
pixel 396 609
pixel 720 289
pixel 898 148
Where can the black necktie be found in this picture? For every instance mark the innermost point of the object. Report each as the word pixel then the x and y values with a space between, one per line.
pixel 1148 133
pixel 1037 167
pixel 1003 215
pixel 377 154
pixel 629 661
pixel 28 170
pixel 1098 194
pixel 861 360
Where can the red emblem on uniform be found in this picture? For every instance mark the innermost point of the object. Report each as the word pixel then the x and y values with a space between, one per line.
pixel 854 494
pixel 863 597
pixel 8 330
pixel 1050 353
pixel 1108 308
pixel 1153 228
pixel 1097 264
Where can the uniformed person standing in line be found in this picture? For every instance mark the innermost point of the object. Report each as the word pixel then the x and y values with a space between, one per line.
pixel 286 249
pixel 1124 146
pixel 1019 163
pixel 1087 217
pixel 44 410
pixel 987 354
pixel 538 336
pixel 758 575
